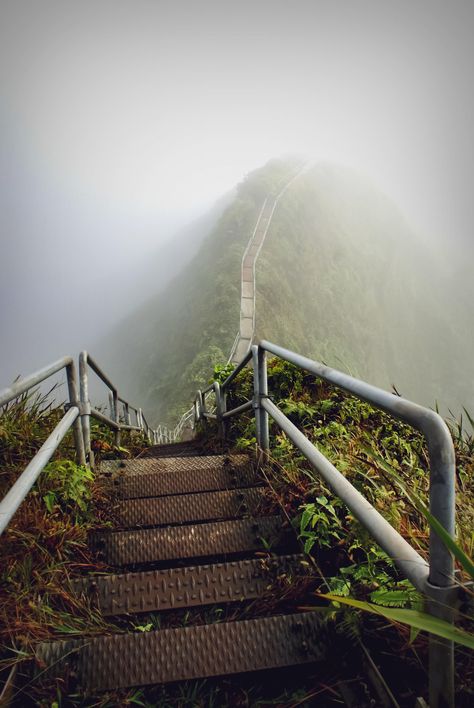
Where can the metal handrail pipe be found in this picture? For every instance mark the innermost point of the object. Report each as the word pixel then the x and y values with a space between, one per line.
pixel 122 400
pixel 248 405
pixel 414 567
pixel 440 448
pixel 147 427
pixel 237 370
pixel 14 497
pixel 211 416
pixel 19 387
pixel 105 419
pixel 97 370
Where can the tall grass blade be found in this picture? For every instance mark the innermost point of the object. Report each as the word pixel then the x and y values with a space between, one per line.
pixel 412 618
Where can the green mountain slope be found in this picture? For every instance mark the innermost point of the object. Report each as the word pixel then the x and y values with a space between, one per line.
pixel 341 278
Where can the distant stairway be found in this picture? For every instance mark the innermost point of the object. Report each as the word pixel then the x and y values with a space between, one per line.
pixel 189 532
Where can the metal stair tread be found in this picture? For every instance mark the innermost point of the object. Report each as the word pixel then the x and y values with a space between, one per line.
pixel 185 481
pixel 119 548
pixel 148 658
pixel 188 508
pixel 176 464
pixel 192 586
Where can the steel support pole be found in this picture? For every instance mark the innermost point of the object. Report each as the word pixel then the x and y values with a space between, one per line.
pixel 74 401
pixel 256 395
pixel 220 422
pixel 263 389
pixel 118 434
pixel 126 414
pixel 85 408
pixel 111 406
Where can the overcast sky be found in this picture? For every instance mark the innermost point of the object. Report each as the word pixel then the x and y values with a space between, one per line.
pixel 123 119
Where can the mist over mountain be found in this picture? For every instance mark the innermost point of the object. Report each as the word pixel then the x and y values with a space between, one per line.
pixel 341 278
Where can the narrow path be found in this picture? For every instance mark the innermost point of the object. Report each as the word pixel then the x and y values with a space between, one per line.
pixel 245 335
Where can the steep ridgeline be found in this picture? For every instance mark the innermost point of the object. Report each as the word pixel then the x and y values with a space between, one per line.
pixel 167 348
pixel 340 277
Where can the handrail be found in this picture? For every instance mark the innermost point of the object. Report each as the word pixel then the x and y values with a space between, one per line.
pixel 18 491
pixel 86 361
pixel 436 578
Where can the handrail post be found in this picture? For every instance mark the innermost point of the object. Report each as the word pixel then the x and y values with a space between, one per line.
pixel 260 387
pixel 111 406
pixel 74 401
pixel 263 390
pixel 217 390
pixel 126 413
pixel 118 435
pixel 85 408
pixel 441 589
pixel 256 395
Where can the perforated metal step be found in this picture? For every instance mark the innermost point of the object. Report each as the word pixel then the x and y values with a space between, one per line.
pixel 119 661
pixel 186 508
pixel 183 479
pixel 158 590
pixel 191 541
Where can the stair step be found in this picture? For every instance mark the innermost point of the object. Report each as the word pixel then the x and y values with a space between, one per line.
pixel 146 465
pixel 158 590
pixel 120 548
pixel 182 479
pixel 185 508
pixel 180 449
pixel 162 656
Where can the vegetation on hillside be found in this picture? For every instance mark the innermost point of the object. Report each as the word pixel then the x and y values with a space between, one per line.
pixel 45 544
pixel 341 278
pixel 166 350
pixel 344 279
pixel 387 462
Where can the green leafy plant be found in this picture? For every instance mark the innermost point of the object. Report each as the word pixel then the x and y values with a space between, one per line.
pixel 68 486
pixel 319 523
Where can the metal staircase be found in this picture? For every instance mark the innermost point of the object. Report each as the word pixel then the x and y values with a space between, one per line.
pixel 190 530
pixel 202 511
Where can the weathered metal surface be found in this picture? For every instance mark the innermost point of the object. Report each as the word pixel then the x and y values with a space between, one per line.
pixel 160 483
pixel 173 588
pixel 186 508
pixel 191 541
pixel 177 465
pixel 147 658
pixel 174 449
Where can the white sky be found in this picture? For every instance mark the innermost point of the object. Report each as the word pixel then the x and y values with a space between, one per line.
pixel 121 119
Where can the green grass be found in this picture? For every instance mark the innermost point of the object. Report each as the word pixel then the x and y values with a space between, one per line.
pixel 45 544
pixel 387 462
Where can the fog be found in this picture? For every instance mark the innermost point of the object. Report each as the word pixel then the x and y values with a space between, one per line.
pixel 123 121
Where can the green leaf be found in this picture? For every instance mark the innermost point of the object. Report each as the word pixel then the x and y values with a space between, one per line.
pixel 413 618
pixel 466 562
pixel 50 500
